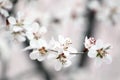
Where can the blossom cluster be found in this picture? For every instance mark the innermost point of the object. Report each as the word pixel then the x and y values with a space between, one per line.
pixel 5 6
pixel 60 50
pixel 98 51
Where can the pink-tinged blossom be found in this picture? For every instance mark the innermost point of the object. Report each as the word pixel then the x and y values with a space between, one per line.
pixel 100 53
pixel 89 42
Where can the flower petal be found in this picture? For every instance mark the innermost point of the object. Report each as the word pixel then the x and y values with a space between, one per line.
pixel 34 27
pixel 12 20
pixel 20 38
pixel 34 43
pixel 107 59
pixel 52 43
pixel 51 56
pixel 42 43
pixel 17 28
pixel 8 4
pixel 58 66
pixel 4 12
pixel 19 16
pixel 29 35
pixel 99 44
pixel 68 63
pixel 34 55
pixel 98 62
pixel 72 50
pixel 28 21
pixel 43 30
pixel 41 58
pixel 92 53
pixel 61 39
pixel 86 39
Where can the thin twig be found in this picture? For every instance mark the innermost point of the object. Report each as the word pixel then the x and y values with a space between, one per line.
pixel 52 50
pixel 78 53
pixel 70 53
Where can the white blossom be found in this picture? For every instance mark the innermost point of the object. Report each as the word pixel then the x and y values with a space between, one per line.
pixel 5 5
pixel 63 56
pixel 40 50
pixel 17 27
pixel 35 32
pixel 99 52
pixel 65 44
pixel 94 5
pixel 61 59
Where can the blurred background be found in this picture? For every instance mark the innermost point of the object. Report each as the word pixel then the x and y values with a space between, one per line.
pixel 70 18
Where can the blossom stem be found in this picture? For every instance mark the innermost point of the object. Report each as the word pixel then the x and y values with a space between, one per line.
pixel 107 48
pixel 78 53
pixel 70 53
pixel 52 50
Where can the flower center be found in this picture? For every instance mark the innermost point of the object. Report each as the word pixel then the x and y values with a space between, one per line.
pixel 92 41
pixel 15 33
pixel 101 53
pixel 65 48
pixel 62 58
pixel 36 35
pixel 43 51
pixel 66 44
pixel 18 33
pixel 19 23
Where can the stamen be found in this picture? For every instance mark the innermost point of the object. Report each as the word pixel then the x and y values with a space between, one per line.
pixel 43 51
pixel 36 35
pixel 101 53
pixel 62 58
